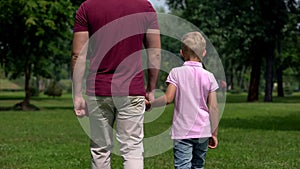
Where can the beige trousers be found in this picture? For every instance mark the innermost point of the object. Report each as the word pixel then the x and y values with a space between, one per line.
pixel 128 114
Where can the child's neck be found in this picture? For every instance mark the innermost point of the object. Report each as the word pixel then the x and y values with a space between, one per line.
pixel 194 59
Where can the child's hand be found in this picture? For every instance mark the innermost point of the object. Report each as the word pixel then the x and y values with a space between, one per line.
pixel 213 142
pixel 148 105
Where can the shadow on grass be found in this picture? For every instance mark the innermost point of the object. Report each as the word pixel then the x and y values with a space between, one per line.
pixel 287 99
pixel 242 98
pixel 9 101
pixel 41 108
pixel 20 107
pixel 57 108
pixel 2 98
pixel 38 104
pixel 285 123
pixel 11 98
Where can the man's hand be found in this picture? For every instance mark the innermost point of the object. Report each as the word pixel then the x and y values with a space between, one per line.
pixel 148 105
pixel 150 96
pixel 80 107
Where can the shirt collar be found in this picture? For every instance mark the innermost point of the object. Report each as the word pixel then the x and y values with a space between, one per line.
pixel 192 63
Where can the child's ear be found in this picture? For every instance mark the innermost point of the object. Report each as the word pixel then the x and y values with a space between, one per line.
pixel 204 53
pixel 181 52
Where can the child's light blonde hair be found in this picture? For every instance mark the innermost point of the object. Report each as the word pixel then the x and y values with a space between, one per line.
pixel 193 44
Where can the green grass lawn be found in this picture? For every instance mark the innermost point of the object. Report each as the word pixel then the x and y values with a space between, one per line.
pixel 251 135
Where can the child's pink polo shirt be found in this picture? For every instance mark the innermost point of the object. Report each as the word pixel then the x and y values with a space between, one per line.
pixel 193 84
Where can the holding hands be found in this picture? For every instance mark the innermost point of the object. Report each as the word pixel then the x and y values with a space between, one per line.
pixel 148 105
pixel 149 97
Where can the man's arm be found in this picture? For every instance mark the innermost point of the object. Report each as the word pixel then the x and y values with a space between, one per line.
pixel 79 52
pixel 153 46
pixel 214 118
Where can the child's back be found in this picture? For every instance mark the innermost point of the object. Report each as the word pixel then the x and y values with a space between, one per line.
pixel 191 116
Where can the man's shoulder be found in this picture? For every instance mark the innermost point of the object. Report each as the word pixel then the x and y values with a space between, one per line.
pixel 113 4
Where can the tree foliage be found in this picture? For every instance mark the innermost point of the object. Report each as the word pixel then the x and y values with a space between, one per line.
pixel 36 37
pixel 250 35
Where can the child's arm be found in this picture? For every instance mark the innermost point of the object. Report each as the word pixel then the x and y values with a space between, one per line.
pixel 214 118
pixel 167 98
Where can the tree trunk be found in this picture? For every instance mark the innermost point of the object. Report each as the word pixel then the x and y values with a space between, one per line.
pixel 253 92
pixel 232 77
pixel 280 92
pixel 26 101
pixel 241 79
pixel 269 71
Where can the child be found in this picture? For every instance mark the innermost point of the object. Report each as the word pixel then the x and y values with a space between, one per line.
pixel 195 125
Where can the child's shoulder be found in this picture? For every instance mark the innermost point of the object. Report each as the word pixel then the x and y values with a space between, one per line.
pixel 209 74
pixel 207 71
pixel 177 69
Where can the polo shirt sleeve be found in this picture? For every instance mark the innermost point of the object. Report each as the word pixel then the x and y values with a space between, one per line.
pixel 81 22
pixel 213 83
pixel 153 22
pixel 172 78
pixel 152 17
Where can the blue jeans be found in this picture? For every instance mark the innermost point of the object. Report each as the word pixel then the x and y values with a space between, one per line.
pixel 190 153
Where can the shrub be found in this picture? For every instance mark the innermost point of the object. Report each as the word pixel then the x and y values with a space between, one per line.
pixel 54 89
pixel 34 91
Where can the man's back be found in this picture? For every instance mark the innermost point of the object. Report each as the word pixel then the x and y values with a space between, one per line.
pixel 117 31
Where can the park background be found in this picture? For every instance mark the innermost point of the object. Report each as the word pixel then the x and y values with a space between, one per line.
pixel 258 43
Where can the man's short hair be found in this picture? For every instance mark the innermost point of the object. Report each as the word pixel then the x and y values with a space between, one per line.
pixel 193 43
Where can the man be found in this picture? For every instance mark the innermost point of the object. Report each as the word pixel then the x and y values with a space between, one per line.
pixel 115 32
